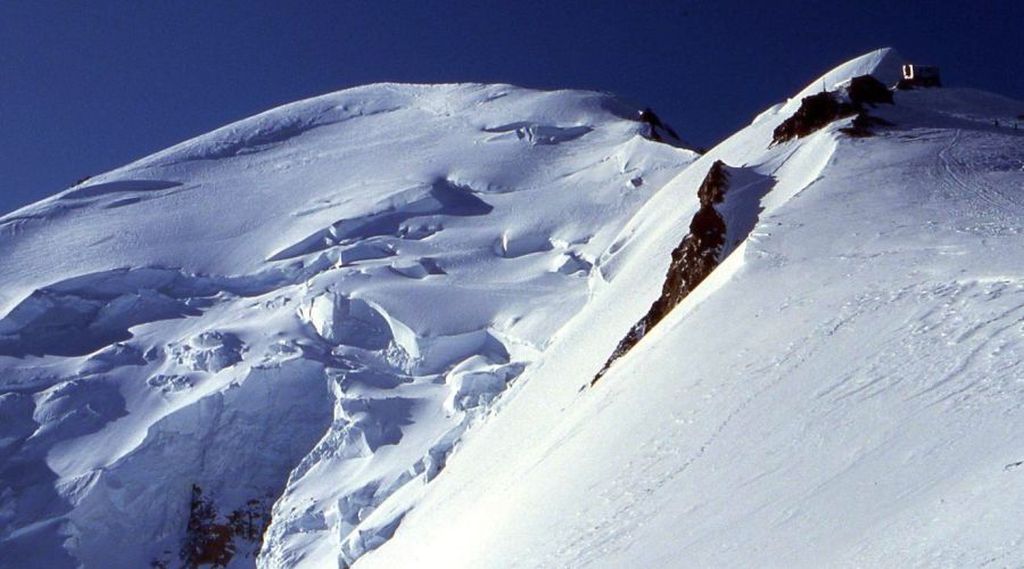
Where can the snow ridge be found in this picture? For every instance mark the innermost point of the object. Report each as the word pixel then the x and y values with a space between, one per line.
pixel 842 390
pixel 301 312
pixel 353 331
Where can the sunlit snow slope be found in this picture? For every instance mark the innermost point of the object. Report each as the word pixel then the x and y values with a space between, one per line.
pixel 261 345
pixel 845 390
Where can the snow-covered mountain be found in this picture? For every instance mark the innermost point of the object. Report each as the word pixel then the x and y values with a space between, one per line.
pixel 844 390
pixel 483 326
pixel 300 312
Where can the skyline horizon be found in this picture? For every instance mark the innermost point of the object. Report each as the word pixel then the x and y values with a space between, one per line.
pixel 138 79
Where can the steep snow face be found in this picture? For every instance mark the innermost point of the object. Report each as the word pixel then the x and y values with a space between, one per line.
pixel 843 391
pixel 259 346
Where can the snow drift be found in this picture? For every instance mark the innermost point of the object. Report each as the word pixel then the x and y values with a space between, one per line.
pixel 843 390
pixel 263 343
pixel 361 330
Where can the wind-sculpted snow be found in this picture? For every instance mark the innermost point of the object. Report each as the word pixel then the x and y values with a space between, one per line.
pixel 261 346
pixel 390 218
pixel 843 390
pixel 358 331
pixel 80 315
pixel 120 186
pixel 729 207
pixel 538 133
pixel 853 99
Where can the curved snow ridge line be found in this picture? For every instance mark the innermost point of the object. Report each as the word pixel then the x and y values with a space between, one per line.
pixel 727 220
pixel 18 221
pixel 537 134
pixel 266 130
pixel 883 64
pixel 730 201
pixel 280 124
pixel 761 188
pixel 93 190
pixel 401 367
pixel 744 149
pixel 388 217
pixel 273 133
pixel 98 189
pixel 813 302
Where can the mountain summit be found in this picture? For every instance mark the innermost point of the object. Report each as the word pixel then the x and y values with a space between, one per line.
pixel 364 330
pixel 289 322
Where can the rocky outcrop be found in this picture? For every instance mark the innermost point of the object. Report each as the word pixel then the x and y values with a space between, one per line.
pixel 866 90
pixel 658 130
pixel 821 109
pixel 212 539
pixel 692 261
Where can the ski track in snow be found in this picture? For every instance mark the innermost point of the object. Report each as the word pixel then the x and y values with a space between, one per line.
pixel 951 165
pixel 370 315
pixel 842 392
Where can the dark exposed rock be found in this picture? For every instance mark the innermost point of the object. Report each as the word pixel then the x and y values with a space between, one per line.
pixel 213 541
pixel 815 112
pixel 692 261
pixel 700 252
pixel 716 182
pixel 206 541
pixel 658 131
pixel 866 90
pixel 818 110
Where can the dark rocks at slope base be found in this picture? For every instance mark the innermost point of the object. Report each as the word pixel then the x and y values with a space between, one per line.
pixel 213 541
pixel 821 109
pixel 692 261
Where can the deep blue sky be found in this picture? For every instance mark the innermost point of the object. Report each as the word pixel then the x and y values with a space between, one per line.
pixel 88 86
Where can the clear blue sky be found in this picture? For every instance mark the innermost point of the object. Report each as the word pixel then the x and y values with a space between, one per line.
pixel 88 86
